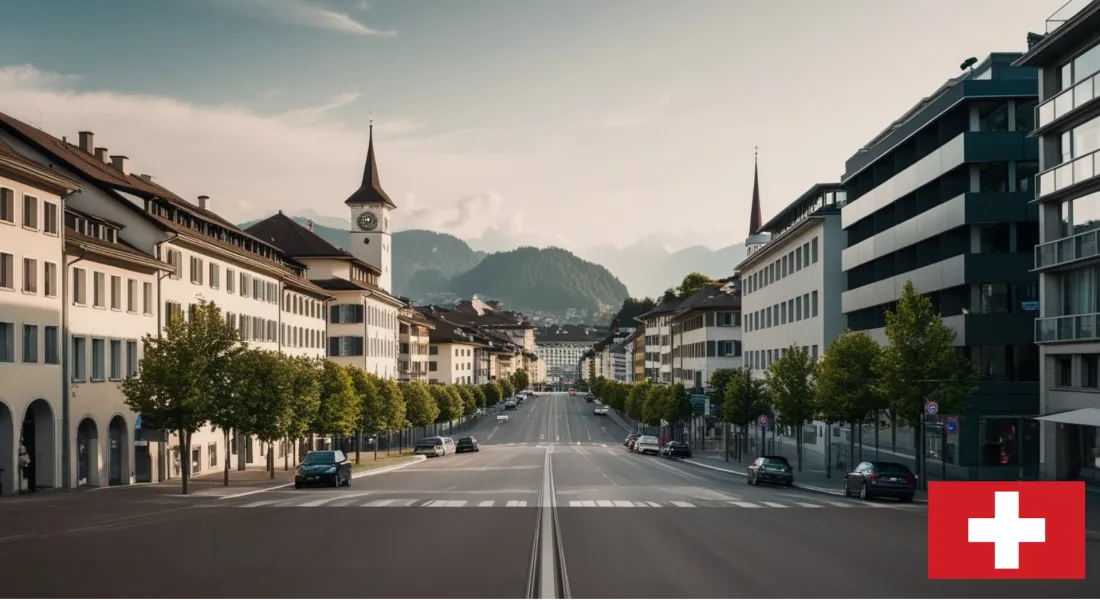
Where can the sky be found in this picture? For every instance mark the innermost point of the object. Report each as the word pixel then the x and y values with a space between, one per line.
pixel 573 123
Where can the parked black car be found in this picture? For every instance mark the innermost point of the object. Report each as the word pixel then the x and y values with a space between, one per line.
pixel 467 444
pixel 770 469
pixel 676 449
pixel 881 479
pixel 323 467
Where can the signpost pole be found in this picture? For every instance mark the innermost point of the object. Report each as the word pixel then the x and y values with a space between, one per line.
pixel 943 453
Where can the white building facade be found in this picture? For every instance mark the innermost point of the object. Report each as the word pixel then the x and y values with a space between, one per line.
pixel 706 335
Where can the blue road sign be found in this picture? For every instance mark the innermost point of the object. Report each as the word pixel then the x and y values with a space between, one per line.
pixel 137 421
pixel 952 425
pixel 932 408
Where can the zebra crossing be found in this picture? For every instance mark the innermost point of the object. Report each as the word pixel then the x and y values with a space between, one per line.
pixel 363 502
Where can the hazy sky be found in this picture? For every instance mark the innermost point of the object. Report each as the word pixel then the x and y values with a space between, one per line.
pixel 572 122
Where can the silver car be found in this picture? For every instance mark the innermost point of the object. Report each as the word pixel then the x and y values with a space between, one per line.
pixel 434 446
pixel 647 444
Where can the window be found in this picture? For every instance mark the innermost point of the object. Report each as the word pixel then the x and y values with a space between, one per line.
pixel 244 285
pixel 196 459
pixel 172 310
pixel 99 281
pixel 30 343
pixel 346 346
pixel 131 358
pixel 230 281
pixel 813 303
pixel 50 343
pixel 176 260
pixel 992 362
pixel 215 281
pixel 346 313
pixel 813 251
pixel 147 297
pixel 49 278
pixel 30 275
pixel 131 296
pixel 994 298
pixel 1025 115
pixel 993 117
pixel 1063 371
pixel 797 310
pixel 30 212
pixel 80 287
pixel 7 205
pixel 813 353
pixel 433 366
pixel 80 358
pixel 7 271
pixel 7 342
pixel 196 270
pixel 993 178
pixel 116 359
pixel 1090 370
pixel 116 292
pixel 99 359
pixel 50 210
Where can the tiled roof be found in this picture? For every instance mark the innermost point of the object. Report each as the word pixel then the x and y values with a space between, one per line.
pixel 339 284
pixel 294 239
pixel 660 309
pixel 14 156
pixel 710 297
pixel 73 236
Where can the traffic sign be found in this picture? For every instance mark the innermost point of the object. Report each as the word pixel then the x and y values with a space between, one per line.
pixel 762 420
pixel 951 425
pixel 932 407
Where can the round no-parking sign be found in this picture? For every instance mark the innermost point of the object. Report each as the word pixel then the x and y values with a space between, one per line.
pixel 762 420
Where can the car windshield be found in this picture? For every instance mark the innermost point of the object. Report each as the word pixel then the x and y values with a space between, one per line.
pixel 320 458
pixel 776 460
pixel 647 439
pixel 430 442
pixel 678 444
pixel 892 469
pixel 465 440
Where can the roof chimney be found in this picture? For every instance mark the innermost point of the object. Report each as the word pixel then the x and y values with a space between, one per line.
pixel 101 154
pixel 204 202
pixel 119 162
pixel 147 178
pixel 86 141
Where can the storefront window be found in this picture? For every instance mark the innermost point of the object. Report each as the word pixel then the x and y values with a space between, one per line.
pixel 999 442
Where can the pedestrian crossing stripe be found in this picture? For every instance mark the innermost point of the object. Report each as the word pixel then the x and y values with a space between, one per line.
pixel 359 502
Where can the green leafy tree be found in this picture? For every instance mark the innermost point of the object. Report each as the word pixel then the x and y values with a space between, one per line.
pixel 653 406
pixel 521 379
pixel 678 408
pixel 846 392
pixel 393 409
pixel 305 378
pixel 181 370
pixel 669 295
pixel 479 395
pixel 448 409
pixel 790 384
pixel 457 402
pixel 469 402
pixel 719 380
pixel 228 411
pixel 506 387
pixel 920 364
pixel 267 397
pixel 339 412
pixel 634 406
pixel 493 393
pixel 420 405
pixel 693 283
pixel 371 420
pixel 746 398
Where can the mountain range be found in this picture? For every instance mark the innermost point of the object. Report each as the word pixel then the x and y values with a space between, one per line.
pixel 426 263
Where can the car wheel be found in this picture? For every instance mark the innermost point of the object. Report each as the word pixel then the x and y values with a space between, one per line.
pixel 477 449
pixel 847 492
pixel 906 498
pixel 297 486
pixel 790 484
pixel 864 493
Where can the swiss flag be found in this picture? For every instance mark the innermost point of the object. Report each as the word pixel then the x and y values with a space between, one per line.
pixel 1006 530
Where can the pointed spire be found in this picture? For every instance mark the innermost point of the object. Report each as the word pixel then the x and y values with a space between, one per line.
pixel 370 191
pixel 756 221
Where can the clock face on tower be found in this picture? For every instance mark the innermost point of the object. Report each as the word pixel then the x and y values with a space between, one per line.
pixel 367 221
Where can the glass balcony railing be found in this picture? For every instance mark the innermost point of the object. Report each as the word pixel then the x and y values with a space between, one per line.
pixel 1076 247
pixel 1068 10
pixel 1067 329
pixel 1068 100
pixel 1069 173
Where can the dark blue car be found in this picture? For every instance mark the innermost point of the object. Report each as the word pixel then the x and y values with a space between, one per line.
pixel 324 467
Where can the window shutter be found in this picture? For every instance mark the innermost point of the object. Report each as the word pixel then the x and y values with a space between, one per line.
pixel 334 314
pixel 334 346
pixel 711 349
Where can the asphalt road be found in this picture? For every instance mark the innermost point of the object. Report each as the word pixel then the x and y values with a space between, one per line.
pixel 683 531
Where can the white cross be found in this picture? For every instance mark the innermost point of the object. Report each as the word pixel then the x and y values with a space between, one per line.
pixel 1006 530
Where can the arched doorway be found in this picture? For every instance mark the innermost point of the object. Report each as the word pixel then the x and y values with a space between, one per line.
pixel 8 466
pixel 87 453
pixel 38 435
pixel 118 452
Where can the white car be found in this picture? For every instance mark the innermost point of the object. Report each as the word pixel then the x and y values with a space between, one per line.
pixel 435 446
pixel 647 444
pixel 502 418
pixel 601 410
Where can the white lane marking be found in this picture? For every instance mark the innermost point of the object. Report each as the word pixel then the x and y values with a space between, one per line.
pixel 386 502
pixel 746 504
pixel 485 504
pixel 319 502
pixel 774 504
pixel 578 442
pixel 588 503
pixel 808 505
pixel 605 503
pixel 516 503
pixel 260 503
pixel 402 502
pixel 683 504
pixel 623 504
pixel 603 445
pixel 840 504
pixel 575 503
pixel 653 504
pixel 436 503
pixel 456 503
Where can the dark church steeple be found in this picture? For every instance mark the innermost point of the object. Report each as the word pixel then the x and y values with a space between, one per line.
pixel 756 220
pixel 370 191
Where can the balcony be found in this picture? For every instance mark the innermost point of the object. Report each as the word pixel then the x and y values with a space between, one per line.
pixel 1067 101
pixel 1067 12
pixel 1066 250
pixel 1070 328
pixel 1068 174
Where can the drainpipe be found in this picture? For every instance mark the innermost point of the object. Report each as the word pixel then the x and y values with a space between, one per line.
pixel 66 364
pixel 162 458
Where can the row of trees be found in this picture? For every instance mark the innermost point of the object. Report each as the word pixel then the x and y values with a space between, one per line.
pixel 652 404
pixel 199 372
pixel 856 379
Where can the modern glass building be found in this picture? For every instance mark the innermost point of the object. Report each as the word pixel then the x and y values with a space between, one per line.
pixel 1067 196
pixel 942 198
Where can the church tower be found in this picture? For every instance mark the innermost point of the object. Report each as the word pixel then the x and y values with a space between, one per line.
pixel 371 209
pixel 756 239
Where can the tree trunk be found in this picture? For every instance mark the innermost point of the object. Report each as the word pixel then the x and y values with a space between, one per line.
pixel 244 444
pixel 358 442
pixel 287 445
pixel 861 440
pixel 877 421
pixel 271 459
pixel 389 442
pixel 893 434
pixel 225 478
pixel 851 446
pixel 798 447
pixel 185 460
pixel 376 446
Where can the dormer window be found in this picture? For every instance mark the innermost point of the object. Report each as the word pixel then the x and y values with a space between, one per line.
pixel 94 232
pixel 111 236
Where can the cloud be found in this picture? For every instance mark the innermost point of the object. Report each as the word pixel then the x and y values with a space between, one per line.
pixel 306 13
pixel 303 161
